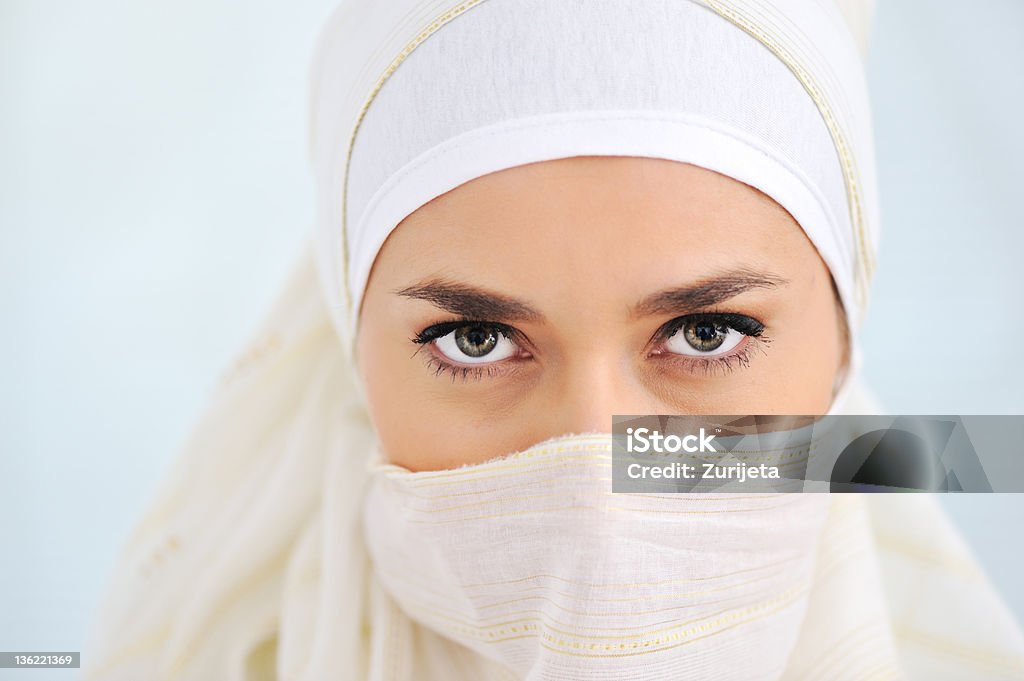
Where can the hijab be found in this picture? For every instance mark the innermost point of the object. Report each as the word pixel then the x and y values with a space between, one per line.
pixel 251 563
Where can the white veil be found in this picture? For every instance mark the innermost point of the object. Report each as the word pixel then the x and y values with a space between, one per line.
pixel 223 574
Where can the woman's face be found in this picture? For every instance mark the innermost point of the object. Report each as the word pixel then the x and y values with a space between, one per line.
pixel 543 299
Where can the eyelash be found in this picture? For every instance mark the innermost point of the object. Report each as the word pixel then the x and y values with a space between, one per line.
pixel 749 327
pixel 442 329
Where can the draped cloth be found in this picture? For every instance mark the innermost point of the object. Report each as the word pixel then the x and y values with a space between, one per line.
pixel 250 562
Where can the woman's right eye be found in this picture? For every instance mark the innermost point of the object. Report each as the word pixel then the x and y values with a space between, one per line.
pixel 476 343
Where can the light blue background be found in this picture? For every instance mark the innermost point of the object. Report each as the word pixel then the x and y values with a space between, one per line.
pixel 153 193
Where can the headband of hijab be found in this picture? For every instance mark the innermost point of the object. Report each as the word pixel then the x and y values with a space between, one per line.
pixel 774 97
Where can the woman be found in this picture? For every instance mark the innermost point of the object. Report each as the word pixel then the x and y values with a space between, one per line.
pixel 535 215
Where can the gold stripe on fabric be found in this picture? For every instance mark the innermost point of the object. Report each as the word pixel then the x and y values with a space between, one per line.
pixel 837 557
pixel 842 649
pixel 504 489
pixel 524 468
pixel 931 558
pixel 486 502
pixel 861 241
pixel 708 497
pixel 754 509
pixel 523 617
pixel 535 623
pixel 737 619
pixel 770 454
pixel 478 631
pixel 889 669
pixel 702 497
pixel 561 495
pixel 626 599
pixel 509 466
pixel 532 626
pixel 972 655
pixel 778 571
pixel 865 263
pixel 594 585
pixel 427 31
pixel 488 633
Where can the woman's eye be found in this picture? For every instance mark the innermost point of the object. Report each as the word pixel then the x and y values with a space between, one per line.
pixel 476 344
pixel 704 337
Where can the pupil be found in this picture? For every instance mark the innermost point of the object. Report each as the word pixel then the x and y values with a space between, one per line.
pixel 704 335
pixel 705 332
pixel 476 341
pixel 477 337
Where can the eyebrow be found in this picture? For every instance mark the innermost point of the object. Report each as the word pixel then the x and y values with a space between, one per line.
pixel 706 292
pixel 477 303
pixel 471 302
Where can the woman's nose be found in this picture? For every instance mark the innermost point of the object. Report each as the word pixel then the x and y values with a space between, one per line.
pixel 586 394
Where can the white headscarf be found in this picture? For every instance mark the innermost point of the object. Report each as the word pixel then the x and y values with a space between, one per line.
pixel 492 85
pixel 251 564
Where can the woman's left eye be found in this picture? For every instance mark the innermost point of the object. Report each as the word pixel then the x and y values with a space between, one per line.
pixel 471 342
pixel 476 344
pixel 710 335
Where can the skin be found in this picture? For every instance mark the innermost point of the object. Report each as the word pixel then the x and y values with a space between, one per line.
pixel 582 241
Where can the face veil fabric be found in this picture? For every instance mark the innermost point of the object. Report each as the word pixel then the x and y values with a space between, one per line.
pixel 252 562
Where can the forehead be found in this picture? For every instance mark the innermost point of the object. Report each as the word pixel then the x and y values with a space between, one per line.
pixel 616 225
